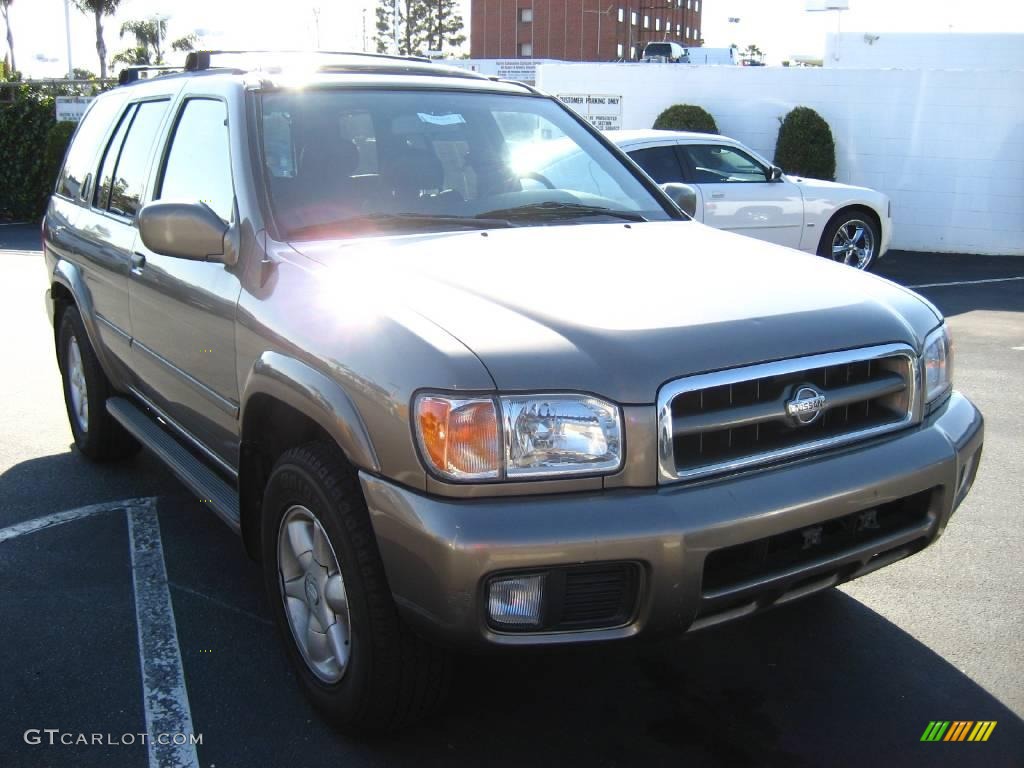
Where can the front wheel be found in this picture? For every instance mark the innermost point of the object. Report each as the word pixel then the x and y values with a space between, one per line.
pixel 852 238
pixel 352 653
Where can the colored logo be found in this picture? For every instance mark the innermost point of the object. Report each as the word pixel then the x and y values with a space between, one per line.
pixel 958 730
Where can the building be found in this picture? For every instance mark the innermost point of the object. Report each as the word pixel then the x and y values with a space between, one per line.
pixel 579 30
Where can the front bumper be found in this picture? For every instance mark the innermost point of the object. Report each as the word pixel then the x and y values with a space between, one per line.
pixel 438 553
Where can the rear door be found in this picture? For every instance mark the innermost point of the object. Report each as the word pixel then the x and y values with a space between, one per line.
pixel 739 197
pixel 102 234
pixel 182 311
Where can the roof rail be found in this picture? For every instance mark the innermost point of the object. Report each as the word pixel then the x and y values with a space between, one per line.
pixel 200 60
pixel 134 73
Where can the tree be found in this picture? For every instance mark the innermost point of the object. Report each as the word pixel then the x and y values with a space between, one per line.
pixel 686 117
pixel 186 43
pixel 423 25
pixel 753 52
pixel 5 11
pixel 805 146
pixel 99 9
pixel 148 34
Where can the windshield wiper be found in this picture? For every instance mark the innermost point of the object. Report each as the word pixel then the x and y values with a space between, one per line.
pixel 360 223
pixel 551 210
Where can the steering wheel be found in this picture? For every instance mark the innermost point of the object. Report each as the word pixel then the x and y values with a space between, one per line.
pixel 539 178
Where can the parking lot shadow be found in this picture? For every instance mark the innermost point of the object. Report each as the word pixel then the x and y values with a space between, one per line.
pixel 825 682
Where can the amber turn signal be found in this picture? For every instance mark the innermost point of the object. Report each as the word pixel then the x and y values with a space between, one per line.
pixel 459 438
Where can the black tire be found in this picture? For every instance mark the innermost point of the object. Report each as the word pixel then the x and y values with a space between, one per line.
pixel 839 221
pixel 98 436
pixel 392 677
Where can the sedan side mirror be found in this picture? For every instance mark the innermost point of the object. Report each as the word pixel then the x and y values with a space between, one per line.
pixel 682 195
pixel 185 230
pixel 775 174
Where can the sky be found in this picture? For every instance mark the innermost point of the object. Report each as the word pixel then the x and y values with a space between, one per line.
pixel 781 28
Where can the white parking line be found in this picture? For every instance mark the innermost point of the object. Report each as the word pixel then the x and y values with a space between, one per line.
pixel 163 678
pixel 59 518
pixel 165 697
pixel 969 282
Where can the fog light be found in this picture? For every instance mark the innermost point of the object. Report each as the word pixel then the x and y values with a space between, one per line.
pixel 516 600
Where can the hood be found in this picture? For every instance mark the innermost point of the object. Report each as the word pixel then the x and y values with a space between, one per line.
pixel 619 310
pixel 828 186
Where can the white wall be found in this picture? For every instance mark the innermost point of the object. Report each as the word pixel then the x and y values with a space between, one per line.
pixel 881 50
pixel 946 146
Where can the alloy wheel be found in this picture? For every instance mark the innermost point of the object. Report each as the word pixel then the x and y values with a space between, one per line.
pixel 854 244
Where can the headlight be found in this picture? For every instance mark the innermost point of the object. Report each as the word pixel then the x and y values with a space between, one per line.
pixel 938 364
pixel 542 436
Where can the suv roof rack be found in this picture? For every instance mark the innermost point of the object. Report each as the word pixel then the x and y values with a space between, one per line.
pixel 135 72
pixel 200 60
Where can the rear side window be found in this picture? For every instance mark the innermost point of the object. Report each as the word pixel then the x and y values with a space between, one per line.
pixel 82 153
pixel 199 162
pixel 126 161
pixel 660 163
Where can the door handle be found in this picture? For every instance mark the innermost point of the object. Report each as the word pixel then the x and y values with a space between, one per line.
pixel 138 262
pixel 717 195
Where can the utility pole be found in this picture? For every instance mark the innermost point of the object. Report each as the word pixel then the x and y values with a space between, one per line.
pixel 67 32
pixel 394 25
pixel 316 26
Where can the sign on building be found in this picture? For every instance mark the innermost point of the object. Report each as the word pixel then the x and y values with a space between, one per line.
pixel 602 111
pixel 71 108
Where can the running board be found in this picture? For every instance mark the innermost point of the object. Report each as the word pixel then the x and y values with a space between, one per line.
pixel 203 481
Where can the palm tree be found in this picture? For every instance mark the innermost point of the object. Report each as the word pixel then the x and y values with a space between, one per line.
pixel 5 10
pixel 99 9
pixel 148 34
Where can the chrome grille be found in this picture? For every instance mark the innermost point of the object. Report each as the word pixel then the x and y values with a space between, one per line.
pixel 730 420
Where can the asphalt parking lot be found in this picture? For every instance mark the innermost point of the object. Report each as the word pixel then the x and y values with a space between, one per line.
pixel 851 677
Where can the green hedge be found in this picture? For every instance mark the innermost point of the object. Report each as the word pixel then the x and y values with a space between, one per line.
pixel 805 146
pixel 686 117
pixel 26 173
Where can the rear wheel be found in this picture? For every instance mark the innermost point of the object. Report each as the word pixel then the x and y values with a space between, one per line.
pixel 852 238
pixel 354 656
pixel 86 389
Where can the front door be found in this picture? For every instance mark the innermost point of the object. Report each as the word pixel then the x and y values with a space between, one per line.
pixel 183 312
pixel 738 195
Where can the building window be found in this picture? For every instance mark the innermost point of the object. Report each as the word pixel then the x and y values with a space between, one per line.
pixel 622 15
pixel 689 4
pixel 696 34
pixel 526 15
pixel 526 49
pixel 647 21
pixel 696 6
pixel 634 52
pixel 618 51
pixel 657 25
pixel 632 18
pixel 687 33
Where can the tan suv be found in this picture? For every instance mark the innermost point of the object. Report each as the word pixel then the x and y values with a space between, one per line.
pixel 462 376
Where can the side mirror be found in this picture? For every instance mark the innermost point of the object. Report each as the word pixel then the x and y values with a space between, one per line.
pixel 684 196
pixel 775 174
pixel 186 230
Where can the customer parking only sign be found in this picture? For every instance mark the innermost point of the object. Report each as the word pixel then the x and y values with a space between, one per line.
pixel 71 108
pixel 604 112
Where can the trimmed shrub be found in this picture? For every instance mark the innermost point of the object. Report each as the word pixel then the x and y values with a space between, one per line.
pixel 805 146
pixel 686 117
pixel 25 173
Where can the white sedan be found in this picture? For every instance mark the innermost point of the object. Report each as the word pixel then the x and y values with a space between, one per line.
pixel 740 191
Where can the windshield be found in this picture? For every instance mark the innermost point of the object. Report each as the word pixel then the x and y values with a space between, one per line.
pixel 658 49
pixel 351 162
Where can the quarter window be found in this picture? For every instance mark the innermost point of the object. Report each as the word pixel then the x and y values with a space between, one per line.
pixel 82 154
pixel 718 164
pixel 198 165
pixel 102 196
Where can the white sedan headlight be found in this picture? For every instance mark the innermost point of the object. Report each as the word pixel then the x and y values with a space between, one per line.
pixel 938 365
pixel 539 436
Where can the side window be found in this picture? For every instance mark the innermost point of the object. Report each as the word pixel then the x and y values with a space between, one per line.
pixel 198 166
pixel 102 197
pixel 718 164
pixel 136 155
pixel 82 153
pixel 660 163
